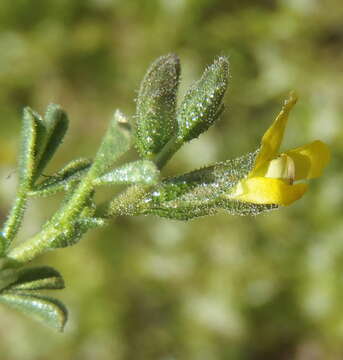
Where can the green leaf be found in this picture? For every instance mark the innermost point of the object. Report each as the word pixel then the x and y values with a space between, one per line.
pixel 115 143
pixel 27 150
pixel 26 170
pixel 56 124
pixel 63 180
pixel 7 277
pixel 3 243
pixel 45 309
pixel 37 278
pixel 142 172
pixel 156 105
pixel 202 103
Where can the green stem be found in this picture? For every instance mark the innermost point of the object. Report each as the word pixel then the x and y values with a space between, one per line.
pixel 14 219
pixel 168 151
pixel 33 247
pixel 60 222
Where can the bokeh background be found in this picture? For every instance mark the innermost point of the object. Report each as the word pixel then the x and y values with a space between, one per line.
pixel 222 287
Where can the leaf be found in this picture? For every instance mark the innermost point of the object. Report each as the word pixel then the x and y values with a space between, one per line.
pixel 7 277
pixel 115 143
pixel 37 278
pixel 56 124
pixel 143 172
pixel 156 105
pixel 63 180
pixel 26 170
pixel 202 103
pixel 3 242
pixel 45 309
pixel 27 150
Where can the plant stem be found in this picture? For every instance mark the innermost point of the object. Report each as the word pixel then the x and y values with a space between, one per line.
pixel 61 222
pixel 168 151
pixel 14 219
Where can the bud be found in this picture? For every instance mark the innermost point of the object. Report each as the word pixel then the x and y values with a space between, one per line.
pixel 202 103
pixel 156 105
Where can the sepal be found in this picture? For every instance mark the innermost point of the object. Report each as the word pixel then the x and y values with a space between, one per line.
pixel 202 192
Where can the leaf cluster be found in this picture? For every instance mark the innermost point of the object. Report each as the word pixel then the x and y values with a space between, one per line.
pixel 161 127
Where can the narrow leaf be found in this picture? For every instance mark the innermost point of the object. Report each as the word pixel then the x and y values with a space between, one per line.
pixel 115 143
pixel 27 150
pixel 202 103
pixel 2 244
pixel 7 277
pixel 56 124
pixel 63 180
pixel 156 105
pixel 37 278
pixel 47 310
pixel 143 172
pixel 26 169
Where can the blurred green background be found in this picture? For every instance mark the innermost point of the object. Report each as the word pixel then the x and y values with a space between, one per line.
pixel 222 287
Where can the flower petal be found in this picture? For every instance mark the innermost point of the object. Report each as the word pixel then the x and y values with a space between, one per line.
pixel 260 190
pixel 310 159
pixel 272 138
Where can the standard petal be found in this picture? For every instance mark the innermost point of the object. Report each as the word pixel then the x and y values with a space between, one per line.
pixel 272 138
pixel 310 159
pixel 260 190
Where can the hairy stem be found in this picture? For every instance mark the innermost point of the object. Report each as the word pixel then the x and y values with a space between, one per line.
pixel 168 151
pixel 14 219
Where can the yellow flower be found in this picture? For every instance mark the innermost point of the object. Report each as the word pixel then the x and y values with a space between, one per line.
pixel 271 181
